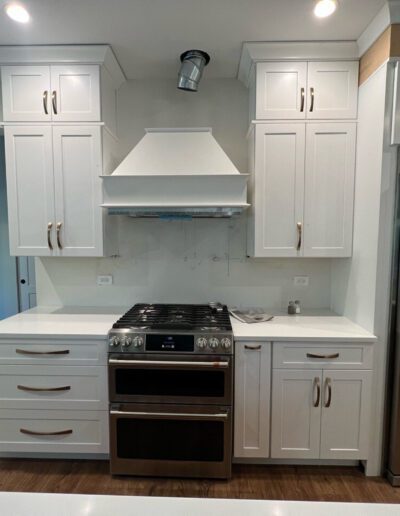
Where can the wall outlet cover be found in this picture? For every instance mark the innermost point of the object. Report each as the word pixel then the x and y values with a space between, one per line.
pixel 301 281
pixel 104 280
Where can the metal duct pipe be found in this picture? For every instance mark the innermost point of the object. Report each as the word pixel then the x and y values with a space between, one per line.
pixel 193 62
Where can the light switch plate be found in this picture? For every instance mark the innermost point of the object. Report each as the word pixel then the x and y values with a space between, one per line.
pixel 103 281
pixel 301 281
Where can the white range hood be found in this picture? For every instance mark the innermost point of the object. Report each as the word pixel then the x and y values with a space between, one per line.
pixel 176 173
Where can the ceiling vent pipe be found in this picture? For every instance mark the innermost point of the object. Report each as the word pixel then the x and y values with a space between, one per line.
pixel 193 62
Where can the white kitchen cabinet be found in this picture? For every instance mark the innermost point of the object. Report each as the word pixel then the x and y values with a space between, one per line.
pixel 332 90
pixel 278 189
pixel 54 190
pixel 296 414
pixel 293 90
pixel 30 189
pixel 280 90
pixel 252 399
pixel 51 93
pixel 345 414
pixel 303 189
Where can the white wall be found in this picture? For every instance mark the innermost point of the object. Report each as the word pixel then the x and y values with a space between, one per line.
pixel 195 261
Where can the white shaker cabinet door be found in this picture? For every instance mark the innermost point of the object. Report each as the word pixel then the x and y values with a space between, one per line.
pixel 26 93
pixel 296 414
pixel 281 91
pixel 75 93
pixel 252 399
pixel 332 90
pixel 329 189
pixel 279 189
pixel 78 194
pixel 30 190
pixel 345 421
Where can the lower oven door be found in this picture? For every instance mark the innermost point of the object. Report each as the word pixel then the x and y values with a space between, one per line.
pixel 171 440
pixel 189 379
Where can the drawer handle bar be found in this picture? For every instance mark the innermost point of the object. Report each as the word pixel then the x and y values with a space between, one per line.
pixel 54 101
pixel 58 229
pixel 329 385
pixel 43 389
pixel 32 432
pixel 45 96
pixel 312 95
pixel 329 357
pixel 252 348
pixel 172 415
pixel 49 242
pixel 168 363
pixel 28 352
pixel 300 235
pixel 317 384
pixel 302 95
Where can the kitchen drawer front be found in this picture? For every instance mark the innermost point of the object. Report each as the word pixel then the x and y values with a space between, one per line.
pixel 53 351
pixel 299 355
pixel 53 387
pixel 53 431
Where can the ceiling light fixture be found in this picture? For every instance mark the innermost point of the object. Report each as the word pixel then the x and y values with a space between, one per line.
pixel 324 8
pixel 17 12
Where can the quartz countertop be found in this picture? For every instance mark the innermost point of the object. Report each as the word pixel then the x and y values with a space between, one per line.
pixel 42 504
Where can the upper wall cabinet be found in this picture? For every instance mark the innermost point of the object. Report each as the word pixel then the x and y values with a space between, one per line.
pixel 65 93
pixel 301 90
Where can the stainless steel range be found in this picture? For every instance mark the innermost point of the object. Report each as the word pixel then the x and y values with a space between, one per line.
pixel 171 389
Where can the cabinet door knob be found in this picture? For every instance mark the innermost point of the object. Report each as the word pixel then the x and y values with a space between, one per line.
pixel 58 228
pixel 302 95
pixel 45 97
pixel 299 234
pixel 328 385
pixel 317 385
pixel 54 101
pixel 49 242
pixel 312 95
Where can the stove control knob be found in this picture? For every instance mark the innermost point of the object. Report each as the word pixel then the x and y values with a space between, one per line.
pixel 201 342
pixel 114 341
pixel 138 341
pixel 126 342
pixel 226 343
pixel 213 343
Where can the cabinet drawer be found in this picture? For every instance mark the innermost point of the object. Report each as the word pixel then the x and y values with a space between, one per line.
pixel 292 355
pixel 53 387
pixel 53 351
pixel 53 431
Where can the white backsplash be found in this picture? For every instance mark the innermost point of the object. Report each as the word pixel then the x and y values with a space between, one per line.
pixel 184 261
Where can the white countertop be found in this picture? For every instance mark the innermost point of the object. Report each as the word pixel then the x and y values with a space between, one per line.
pixel 44 504
pixel 95 322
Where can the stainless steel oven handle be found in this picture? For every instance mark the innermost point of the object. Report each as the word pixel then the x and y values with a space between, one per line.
pixel 174 415
pixel 168 363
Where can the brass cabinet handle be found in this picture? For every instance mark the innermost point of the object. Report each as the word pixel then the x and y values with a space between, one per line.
pixel 302 97
pixel 28 352
pixel 49 242
pixel 45 97
pixel 329 385
pixel 58 229
pixel 299 233
pixel 54 101
pixel 43 389
pixel 317 384
pixel 312 95
pixel 325 357
pixel 32 432
pixel 252 348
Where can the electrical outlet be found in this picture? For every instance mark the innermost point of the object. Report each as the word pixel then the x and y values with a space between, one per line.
pixel 301 281
pixel 104 280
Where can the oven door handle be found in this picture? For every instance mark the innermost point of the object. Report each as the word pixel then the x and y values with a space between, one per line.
pixel 169 363
pixel 168 415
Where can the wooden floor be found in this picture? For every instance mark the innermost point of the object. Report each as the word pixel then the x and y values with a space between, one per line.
pixel 262 482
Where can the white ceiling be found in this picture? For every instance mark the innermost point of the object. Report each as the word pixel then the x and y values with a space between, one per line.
pixel 148 35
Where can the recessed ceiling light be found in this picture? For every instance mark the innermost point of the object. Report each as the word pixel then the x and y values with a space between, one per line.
pixel 17 12
pixel 324 8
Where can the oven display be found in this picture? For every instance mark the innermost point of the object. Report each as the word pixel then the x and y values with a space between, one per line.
pixel 179 343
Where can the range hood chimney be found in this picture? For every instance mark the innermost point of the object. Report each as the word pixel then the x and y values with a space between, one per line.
pixel 193 63
pixel 176 173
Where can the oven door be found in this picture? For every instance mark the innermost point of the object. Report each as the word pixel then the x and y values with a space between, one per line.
pixel 170 440
pixel 190 379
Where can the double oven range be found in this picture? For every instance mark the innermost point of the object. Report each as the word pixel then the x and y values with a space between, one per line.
pixel 171 389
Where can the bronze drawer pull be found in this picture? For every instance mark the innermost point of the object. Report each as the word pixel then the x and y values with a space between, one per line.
pixel 329 385
pixel 312 95
pixel 252 348
pixel 49 242
pixel 299 235
pixel 32 432
pixel 45 95
pixel 302 95
pixel 43 389
pixel 328 357
pixel 27 352
pixel 54 101
pixel 317 384
pixel 58 229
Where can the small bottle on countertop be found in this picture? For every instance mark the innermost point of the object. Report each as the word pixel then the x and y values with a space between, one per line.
pixel 291 308
pixel 297 306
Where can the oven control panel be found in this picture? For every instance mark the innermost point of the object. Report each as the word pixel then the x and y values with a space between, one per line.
pixel 130 342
